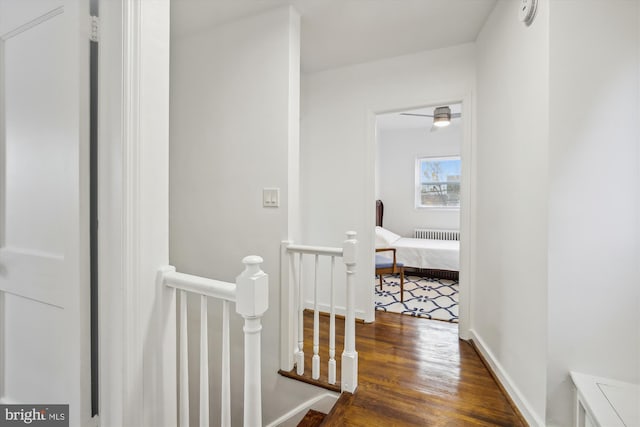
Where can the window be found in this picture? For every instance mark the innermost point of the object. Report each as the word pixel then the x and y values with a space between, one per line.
pixel 438 182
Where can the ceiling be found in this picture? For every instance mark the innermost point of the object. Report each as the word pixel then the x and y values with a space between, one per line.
pixel 336 33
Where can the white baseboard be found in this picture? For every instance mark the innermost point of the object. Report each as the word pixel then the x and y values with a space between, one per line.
pixel 322 403
pixel 512 390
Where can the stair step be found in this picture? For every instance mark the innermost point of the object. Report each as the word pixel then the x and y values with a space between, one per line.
pixel 335 417
pixel 307 379
pixel 312 419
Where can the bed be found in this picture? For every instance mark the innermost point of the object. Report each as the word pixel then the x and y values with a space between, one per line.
pixel 435 256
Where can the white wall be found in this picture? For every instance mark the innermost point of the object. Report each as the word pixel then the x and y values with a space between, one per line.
pixel 338 140
pixel 397 152
pixel 573 194
pixel 594 193
pixel 509 309
pixel 234 114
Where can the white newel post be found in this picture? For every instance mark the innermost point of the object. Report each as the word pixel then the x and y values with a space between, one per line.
pixel 349 355
pixel 252 301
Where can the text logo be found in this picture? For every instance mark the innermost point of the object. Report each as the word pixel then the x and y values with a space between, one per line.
pixel 34 415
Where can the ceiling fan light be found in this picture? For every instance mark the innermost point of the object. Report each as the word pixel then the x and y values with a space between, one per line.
pixel 441 122
pixel 442 116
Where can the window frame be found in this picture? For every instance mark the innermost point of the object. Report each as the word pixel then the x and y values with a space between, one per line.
pixel 418 184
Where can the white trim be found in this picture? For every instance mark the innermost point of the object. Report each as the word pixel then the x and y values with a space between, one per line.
pixel 507 383
pixel 369 158
pixel 120 354
pixel 116 262
pixel 467 209
pixel 110 258
pixel 467 213
pixel 132 335
pixel 135 312
pixel 288 332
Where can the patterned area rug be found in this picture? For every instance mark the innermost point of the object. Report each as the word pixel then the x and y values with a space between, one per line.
pixel 423 297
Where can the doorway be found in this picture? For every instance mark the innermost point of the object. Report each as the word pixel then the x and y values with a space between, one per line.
pixel 423 176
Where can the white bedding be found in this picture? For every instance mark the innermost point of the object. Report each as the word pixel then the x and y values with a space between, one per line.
pixel 427 253
pixel 421 253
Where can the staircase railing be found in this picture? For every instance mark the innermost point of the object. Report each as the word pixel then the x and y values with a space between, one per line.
pixel 293 301
pixel 250 294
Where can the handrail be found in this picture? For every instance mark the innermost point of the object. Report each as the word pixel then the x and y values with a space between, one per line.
pixel 292 324
pixel 314 250
pixel 250 293
pixel 201 285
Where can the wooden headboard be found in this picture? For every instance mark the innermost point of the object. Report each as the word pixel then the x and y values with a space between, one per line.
pixel 379 212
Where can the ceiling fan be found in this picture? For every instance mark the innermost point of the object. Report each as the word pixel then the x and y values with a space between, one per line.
pixel 441 117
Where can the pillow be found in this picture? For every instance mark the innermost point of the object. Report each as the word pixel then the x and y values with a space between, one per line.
pixel 385 238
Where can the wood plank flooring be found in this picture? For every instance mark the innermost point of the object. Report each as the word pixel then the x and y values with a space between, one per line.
pixel 312 419
pixel 415 372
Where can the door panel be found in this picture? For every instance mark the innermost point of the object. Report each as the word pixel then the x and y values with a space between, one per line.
pixel 12 16
pixel 44 323
pixel 27 363
pixel 34 146
pixel 36 141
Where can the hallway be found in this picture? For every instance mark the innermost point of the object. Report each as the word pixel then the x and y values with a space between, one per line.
pixel 416 372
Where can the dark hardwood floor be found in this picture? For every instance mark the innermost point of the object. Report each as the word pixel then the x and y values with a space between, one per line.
pixel 415 372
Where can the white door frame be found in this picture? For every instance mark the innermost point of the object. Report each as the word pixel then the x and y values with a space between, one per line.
pixel 467 206
pixel 137 386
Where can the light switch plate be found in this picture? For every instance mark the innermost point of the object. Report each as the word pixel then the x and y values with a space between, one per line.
pixel 270 197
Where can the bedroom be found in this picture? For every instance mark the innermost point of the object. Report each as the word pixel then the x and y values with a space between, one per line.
pixel 410 152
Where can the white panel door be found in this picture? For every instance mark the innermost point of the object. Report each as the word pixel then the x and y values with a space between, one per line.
pixel 44 285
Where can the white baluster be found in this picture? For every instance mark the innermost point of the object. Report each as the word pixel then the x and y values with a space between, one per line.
pixel 315 360
pixel 300 352
pixel 204 364
pixel 252 300
pixel 225 392
pixel 184 363
pixel 332 330
pixel 349 355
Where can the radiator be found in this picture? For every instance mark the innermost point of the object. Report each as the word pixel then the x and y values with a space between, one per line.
pixel 427 233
